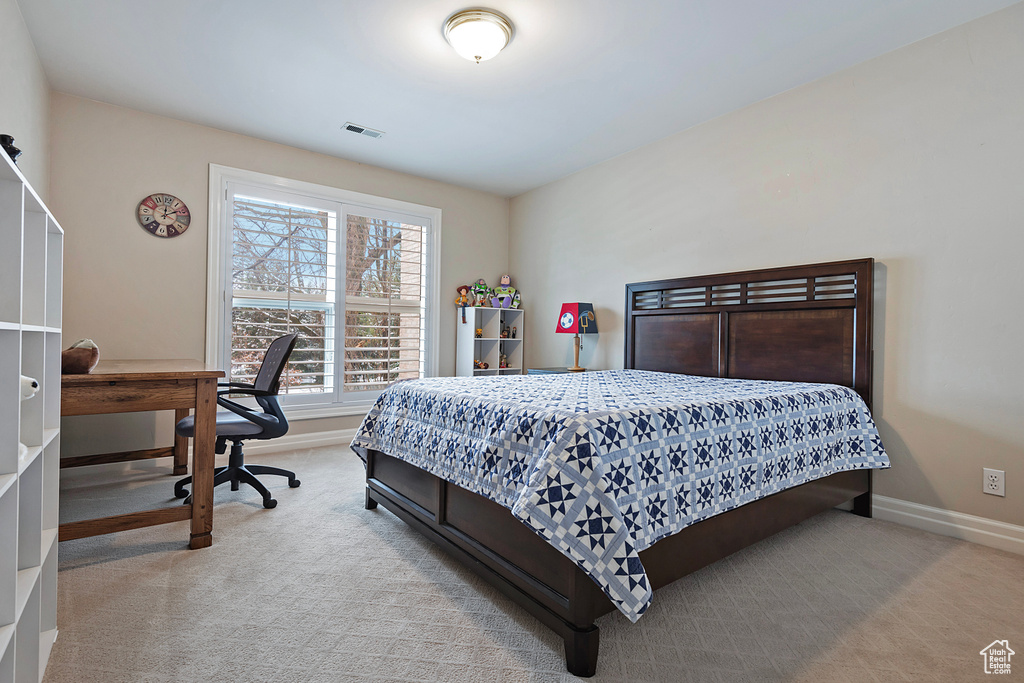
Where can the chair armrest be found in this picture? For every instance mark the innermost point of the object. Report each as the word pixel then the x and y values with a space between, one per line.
pixel 245 389
pixel 248 414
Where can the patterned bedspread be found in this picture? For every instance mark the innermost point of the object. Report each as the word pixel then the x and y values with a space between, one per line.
pixel 603 464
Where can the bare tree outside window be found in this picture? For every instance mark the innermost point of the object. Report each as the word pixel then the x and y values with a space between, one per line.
pixel 284 274
pixel 384 315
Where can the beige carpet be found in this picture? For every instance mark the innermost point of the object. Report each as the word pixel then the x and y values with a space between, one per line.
pixel 320 589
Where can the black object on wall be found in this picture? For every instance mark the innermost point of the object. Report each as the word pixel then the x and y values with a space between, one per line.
pixel 7 142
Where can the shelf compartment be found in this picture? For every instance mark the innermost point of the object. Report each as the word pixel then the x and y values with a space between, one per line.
pixel 51 379
pixel 54 274
pixel 51 481
pixel 28 579
pixel 30 515
pixel 26 638
pixel 7 653
pixel 8 560
pixel 10 399
pixel 513 350
pixel 48 582
pixel 46 641
pixel 31 456
pixel 11 222
pixel 32 348
pixel 33 279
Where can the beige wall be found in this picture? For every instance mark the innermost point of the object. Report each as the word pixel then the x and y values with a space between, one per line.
pixel 24 97
pixel 915 158
pixel 139 296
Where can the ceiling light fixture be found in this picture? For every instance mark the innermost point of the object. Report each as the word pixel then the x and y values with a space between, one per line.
pixel 478 34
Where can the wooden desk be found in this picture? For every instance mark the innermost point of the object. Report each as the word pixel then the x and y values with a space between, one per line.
pixel 127 386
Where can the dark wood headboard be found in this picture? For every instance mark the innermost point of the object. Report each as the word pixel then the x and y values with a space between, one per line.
pixel 802 323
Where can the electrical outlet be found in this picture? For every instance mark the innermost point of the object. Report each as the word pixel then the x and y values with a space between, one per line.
pixel 994 482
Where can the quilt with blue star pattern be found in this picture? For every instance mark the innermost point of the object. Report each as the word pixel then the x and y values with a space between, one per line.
pixel 604 464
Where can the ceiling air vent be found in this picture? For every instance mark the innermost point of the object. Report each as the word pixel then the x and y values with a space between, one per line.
pixel 363 130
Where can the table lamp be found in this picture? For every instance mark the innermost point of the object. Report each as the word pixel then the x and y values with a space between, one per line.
pixel 577 319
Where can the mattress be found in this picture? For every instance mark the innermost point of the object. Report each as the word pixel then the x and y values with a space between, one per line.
pixel 604 464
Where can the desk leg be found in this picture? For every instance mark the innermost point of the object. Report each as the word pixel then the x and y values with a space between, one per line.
pixel 180 444
pixel 202 463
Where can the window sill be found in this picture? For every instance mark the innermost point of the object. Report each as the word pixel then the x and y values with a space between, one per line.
pixel 297 413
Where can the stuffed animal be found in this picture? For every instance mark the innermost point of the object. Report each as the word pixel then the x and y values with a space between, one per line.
pixel 515 300
pixel 80 358
pixel 29 388
pixel 503 293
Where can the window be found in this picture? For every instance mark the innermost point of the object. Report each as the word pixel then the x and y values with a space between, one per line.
pixel 352 274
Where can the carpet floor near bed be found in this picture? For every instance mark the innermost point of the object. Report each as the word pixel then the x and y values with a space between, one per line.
pixel 320 589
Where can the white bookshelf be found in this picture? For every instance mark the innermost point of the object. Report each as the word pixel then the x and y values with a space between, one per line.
pixel 490 345
pixel 31 273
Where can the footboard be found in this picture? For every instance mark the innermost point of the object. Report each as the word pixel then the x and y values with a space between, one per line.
pixel 486 538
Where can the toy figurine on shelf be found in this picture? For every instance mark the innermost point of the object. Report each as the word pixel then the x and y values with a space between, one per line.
pixel 512 335
pixel 480 293
pixel 503 293
pixel 479 333
pixel 504 333
pixel 463 299
pixel 502 361
pixel 480 365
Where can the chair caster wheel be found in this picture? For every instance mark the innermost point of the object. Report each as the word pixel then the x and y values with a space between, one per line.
pixel 270 503
pixel 294 483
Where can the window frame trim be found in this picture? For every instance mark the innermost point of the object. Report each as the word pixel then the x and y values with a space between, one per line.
pixel 218 291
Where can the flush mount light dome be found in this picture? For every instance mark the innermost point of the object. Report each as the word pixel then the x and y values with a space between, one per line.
pixel 478 34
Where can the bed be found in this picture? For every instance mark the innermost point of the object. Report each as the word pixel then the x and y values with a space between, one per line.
pixel 807 324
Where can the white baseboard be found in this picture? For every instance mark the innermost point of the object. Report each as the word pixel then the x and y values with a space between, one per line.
pixel 291 442
pixel 981 530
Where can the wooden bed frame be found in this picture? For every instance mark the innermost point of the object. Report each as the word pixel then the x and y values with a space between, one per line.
pixel 805 323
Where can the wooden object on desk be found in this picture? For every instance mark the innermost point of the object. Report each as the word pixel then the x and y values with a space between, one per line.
pixel 127 386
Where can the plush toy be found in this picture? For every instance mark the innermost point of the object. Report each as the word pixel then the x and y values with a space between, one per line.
pixel 515 300
pixel 480 290
pixel 503 293
pixel 80 358
pixel 29 388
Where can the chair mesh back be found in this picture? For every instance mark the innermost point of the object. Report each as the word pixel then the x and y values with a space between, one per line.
pixel 274 361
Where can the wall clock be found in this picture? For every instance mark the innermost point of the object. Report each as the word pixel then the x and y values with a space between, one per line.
pixel 163 215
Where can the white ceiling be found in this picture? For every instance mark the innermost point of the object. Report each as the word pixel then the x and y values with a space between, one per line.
pixel 581 82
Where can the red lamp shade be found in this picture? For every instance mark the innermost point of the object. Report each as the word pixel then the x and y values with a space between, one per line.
pixel 577 318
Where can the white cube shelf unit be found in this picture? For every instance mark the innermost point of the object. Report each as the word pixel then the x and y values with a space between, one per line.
pixel 31 273
pixel 489 346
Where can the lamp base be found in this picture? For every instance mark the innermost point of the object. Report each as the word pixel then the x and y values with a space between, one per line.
pixel 575 355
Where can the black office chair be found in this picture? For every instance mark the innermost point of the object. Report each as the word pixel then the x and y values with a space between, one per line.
pixel 244 423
